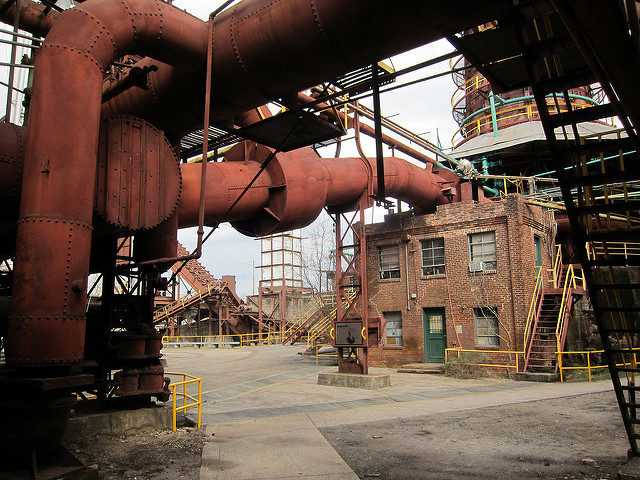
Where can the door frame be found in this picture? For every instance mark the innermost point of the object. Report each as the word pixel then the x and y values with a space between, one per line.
pixel 426 332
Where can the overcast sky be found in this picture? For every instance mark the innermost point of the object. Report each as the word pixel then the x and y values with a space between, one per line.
pixel 422 108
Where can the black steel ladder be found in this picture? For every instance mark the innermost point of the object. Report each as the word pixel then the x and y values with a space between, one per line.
pixel 599 176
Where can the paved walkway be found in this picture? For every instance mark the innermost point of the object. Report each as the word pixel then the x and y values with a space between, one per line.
pixel 264 404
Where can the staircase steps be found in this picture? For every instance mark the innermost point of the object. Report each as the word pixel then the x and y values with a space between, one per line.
pixel 560 46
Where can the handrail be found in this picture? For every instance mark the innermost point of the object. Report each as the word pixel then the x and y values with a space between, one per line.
pixel 320 327
pixel 533 307
pixel 625 249
pixel 589 366
pixel 196 401
pixel 571 282
pixel 475 126
pixel 459 350
pixel 310 309
pixel 187 300
pixel 567 288
pixel 239 340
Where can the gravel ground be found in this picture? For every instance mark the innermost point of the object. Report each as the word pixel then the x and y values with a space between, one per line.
pixel 579 437
pixel 145 454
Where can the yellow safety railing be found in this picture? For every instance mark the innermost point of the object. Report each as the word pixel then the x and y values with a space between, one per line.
pixel 533 307
pixel 231 340
pixel 555 273
pixel 589 366
pixel 624 249
pixel 508 116
pixel 194 398
pixel 308 311
pixel 188 300
pixel 571 282
pixel 317 348
pixel 513 362
pixel 321 327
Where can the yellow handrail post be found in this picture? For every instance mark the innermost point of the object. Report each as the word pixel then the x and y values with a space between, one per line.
pixel 560 366
pixel 173 394
pixel 199 403
pixel 184 392
pixel 589 364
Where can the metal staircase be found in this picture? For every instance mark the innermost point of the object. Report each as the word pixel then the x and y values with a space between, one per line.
pixel 194 273
pixel 549 316
pixel 307 317
pixel 554 46
pixel 600 197
pixel 194 298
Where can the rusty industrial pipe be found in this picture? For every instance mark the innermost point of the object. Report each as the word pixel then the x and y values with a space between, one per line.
pixel 54 229
pixel 33 17
pixel 256 41
pixel 296 186
pixel 336 182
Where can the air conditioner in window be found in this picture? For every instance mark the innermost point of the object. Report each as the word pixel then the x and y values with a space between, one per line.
pixel 480 266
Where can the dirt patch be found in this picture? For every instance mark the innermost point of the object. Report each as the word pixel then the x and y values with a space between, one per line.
pixel 579 437
pixel 145 454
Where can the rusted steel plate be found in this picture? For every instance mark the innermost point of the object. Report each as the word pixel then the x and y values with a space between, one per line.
pixel 138 178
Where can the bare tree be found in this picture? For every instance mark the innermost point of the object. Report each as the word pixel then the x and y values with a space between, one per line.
pixel 317 253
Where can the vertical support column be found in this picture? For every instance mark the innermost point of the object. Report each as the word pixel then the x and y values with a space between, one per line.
pixel 355 268
pixel 377 120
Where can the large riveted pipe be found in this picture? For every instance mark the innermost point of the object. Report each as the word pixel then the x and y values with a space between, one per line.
pixel 312 41
pixel 47 319
pixel 295 187
pixel 254 43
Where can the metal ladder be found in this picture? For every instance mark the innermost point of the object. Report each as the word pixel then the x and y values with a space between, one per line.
pixel 599 176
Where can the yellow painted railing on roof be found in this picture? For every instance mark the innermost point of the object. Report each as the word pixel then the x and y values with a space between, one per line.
pixel 507 117
pixel 189 400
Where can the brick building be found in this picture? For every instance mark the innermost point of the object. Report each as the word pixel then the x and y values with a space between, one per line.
pixel 460 277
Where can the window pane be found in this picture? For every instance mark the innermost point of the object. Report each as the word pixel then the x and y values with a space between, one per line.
pixel 433 259
pixel 436 324
pixel 482 248
pixel 393 328
pixel 487 328
pixel 389 262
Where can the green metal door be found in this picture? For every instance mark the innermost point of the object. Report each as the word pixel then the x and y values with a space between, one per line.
pixel 538 244
pixel 435 335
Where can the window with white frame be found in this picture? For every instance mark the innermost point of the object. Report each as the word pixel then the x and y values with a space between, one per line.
pixel 389 262
pixel 482 252
pixel 393 328
pixel 433 262
pixel 487 328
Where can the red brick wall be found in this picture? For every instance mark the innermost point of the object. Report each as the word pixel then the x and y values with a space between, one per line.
pixel 459 291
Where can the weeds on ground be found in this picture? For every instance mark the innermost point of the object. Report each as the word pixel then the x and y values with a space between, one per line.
pixel 583 375
pixel 465 366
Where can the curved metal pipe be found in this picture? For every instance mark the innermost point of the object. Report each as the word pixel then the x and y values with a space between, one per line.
pixel 54 229
pixel 291 193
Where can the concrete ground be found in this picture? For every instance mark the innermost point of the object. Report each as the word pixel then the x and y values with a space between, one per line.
pixel 268 418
